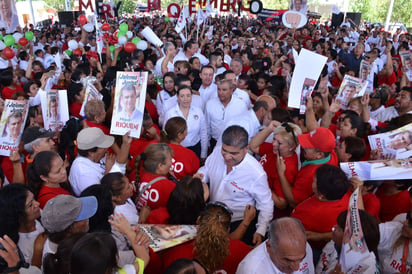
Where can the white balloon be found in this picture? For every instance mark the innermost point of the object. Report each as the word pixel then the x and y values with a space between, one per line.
pixel 142 45
pixel 73 45
pixel 129 34
pixel 88 27
pixel 17 37
pixel 122 40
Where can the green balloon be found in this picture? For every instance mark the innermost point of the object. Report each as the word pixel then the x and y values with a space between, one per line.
pixel 29 35
pixel 136 40
pixel 123 27
pixel 112 48
pixel 120 34
pixel 167 19
pixel 8 40
pixel 68 52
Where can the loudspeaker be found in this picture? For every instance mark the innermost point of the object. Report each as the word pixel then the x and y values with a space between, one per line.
pixel 355 17
pixel 66 17
pixel 337 19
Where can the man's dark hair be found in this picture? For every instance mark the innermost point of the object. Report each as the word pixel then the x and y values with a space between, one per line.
pixel 235 136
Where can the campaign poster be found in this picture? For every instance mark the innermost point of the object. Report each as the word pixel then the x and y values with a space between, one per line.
pixel 366 74
pixel 91 94
pixel 301 73
pixel 351 87
pixel 12 124
pixel 166 236
pixel 406 58
pixel 308 86
pixel 299 6
pixel 8 16
pixel 55 109
pixel 129 101
pixel 395 144
pixel 396 169
pixel 355 256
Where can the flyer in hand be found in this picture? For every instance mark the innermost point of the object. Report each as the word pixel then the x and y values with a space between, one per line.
pixel 129 103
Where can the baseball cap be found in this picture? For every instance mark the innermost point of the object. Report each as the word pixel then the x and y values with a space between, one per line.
pixel 320 138
pixel 33 133
pixel 91 137
pixel 63 210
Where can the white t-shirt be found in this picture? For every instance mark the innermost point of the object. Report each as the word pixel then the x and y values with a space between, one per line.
pixel 259 262
pixel 26 241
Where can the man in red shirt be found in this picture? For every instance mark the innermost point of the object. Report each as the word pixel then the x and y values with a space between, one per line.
pixel 318 149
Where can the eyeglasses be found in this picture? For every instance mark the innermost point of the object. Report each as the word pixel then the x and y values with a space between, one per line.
pixel 221 205
pixel 288 128
pixel 367 57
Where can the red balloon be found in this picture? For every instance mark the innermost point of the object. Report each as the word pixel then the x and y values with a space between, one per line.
pixel 129 47
pixel 77 52
pixel 105 27
pixel 82 19
pixel 8 53
pixel 23 41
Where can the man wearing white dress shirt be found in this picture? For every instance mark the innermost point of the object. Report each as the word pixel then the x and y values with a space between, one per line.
pixel 286 251
pixel 208 89
pixel 237 179
pixel 238 93
pixel 222 109
pixel 190 49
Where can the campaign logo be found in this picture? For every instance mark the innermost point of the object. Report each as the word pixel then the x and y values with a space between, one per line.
pixel 196 117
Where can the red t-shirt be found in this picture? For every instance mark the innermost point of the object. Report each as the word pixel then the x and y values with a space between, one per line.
pixel 372 204
pixel 158 216
pixel 7 92
pixel 151 109
pixel 320 216
pixel 157 194
pixel 392 205
pixel 137 146
pixel 185 161
pixel 302 186
pixel 47 193
pixel 75 108
pixel 7 167
pixel 237 251
pixel 387 80
pixel 105 129
pixel 268 161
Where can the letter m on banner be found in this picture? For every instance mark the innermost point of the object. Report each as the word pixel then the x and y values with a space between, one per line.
pixel 85 5
pixel 153 5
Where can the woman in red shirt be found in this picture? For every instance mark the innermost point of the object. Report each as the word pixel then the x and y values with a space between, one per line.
pixel 9 81
pixel 46 176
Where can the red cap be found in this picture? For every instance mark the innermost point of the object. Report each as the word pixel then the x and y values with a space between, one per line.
pixel 320 138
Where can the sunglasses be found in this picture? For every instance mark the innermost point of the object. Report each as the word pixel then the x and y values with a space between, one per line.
pixel 289 129
pixel 221 205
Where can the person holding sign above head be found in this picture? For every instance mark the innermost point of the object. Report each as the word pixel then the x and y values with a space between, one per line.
pixel 127 104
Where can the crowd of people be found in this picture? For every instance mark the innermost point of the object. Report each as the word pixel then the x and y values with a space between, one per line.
pixel 219 148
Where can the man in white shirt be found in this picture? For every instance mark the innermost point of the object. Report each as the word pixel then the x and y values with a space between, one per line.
pixel 222 109
pixel 170 53
pixel 190 49
pixel 285 251
pixel 237 179
pixel 238 93
pixel 208 89
pixel 236 66
pixel 403 105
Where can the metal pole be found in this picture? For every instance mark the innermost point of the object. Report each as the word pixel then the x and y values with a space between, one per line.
pixel 388 17
pixel 32 13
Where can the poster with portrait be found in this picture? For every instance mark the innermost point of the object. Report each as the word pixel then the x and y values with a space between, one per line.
pixel 308 86
pixel 55 109
pixel 91 94
pixel 299 6
pixel 166 236
pixel 366 74
pixel 406 57
pixel 355 256
pixel 129 101
pixel 395 144
pixel 351 87
pixel 12 124
pixel 396 169
pixel 301 73
pixel 9 18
